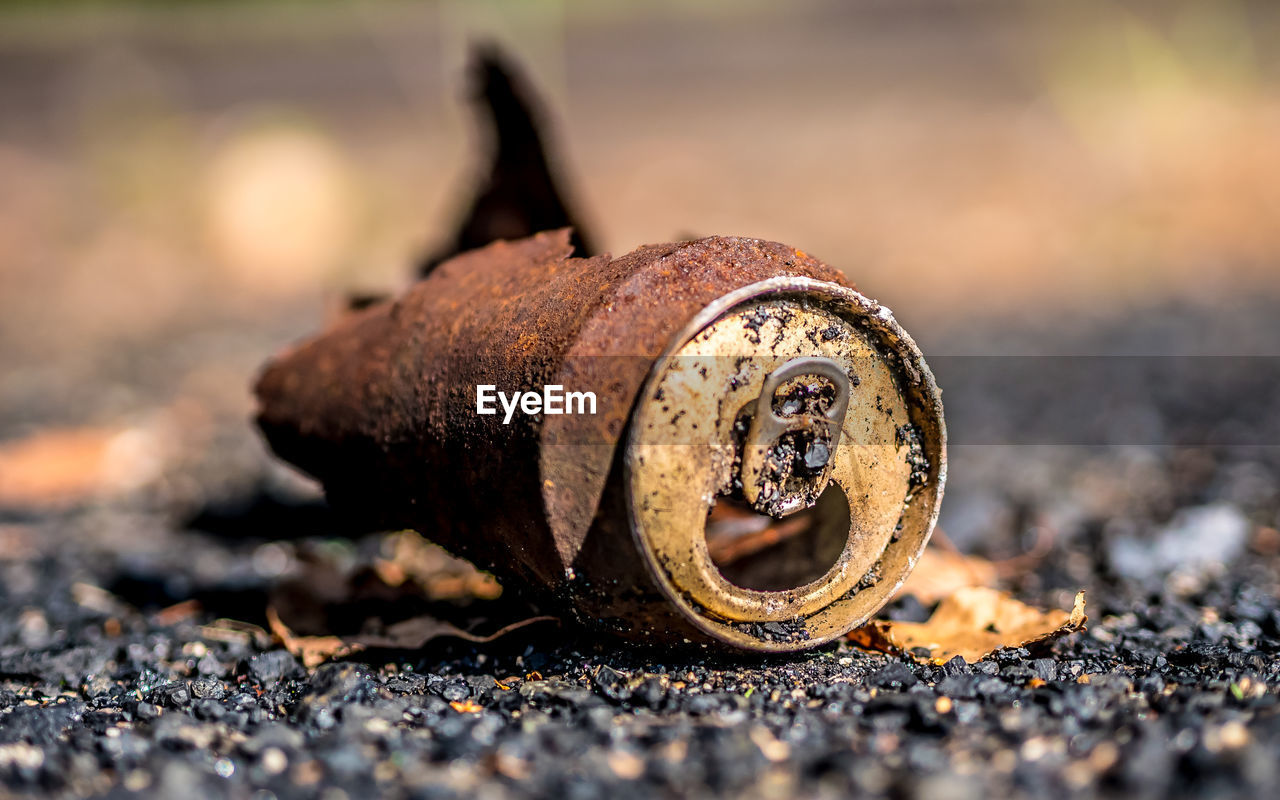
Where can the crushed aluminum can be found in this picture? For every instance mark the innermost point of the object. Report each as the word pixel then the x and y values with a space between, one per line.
pixel 731 376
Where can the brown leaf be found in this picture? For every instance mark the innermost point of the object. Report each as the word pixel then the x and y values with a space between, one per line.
pixel 972 623
pixel 234 631
pixel 412 634
pixel 95 598
pixel 428 567
pixel 311 650
pixel 56 466
pixel 733 534
pixel 178 612
pixel 59 467
pixel 941 572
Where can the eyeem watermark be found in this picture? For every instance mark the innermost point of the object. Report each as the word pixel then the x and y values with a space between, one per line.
pixel 553 399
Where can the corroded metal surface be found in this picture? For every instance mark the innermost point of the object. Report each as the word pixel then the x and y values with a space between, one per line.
pixel 604 514
pixel 819 355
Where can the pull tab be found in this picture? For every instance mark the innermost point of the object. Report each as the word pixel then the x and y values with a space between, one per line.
pixel 786 460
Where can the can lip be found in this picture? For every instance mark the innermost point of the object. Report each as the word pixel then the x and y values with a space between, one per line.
pixel 922 506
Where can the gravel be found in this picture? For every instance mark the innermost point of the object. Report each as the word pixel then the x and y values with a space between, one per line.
pixel 1175 695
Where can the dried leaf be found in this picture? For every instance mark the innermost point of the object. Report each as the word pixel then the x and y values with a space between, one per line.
pixel 58 466
pixel 412 634
pixel 972 623
pixel 311 650
pixel 97 599
pixel 941 572
pixel 233 631
pixel 178 612
pixel 725 551
pixel 733 533
pixel 428 567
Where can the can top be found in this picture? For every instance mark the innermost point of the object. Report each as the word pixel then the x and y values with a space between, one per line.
pixel 799 401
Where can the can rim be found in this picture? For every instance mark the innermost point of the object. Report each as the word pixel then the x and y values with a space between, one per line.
pixel 928 397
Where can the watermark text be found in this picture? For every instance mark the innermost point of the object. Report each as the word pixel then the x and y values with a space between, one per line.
pixel 553 399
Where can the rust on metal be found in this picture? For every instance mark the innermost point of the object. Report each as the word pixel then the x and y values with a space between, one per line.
pixel 728 373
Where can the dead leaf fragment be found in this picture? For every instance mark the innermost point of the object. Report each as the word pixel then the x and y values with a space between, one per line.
pixel 59 467
pixel 312 651
pixel 439 576
pixel 972 623
pixel 941 572
pixel 735 533
pixel 414 633
pixel 95 598
pixel 234 631
pixel 410 634
pixel 56 466
pixel 178 612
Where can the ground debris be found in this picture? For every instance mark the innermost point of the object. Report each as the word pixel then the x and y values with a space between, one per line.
pixel 940 572
pixel 972 623
pixel 416 632
pixel 409 634
pixel 61 467
pixel 312 650
pixel 409 558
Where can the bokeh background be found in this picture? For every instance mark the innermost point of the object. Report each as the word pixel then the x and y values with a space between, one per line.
pixel 185 187
pixel 1073 206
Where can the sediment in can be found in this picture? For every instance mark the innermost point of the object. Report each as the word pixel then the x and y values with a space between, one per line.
pixel 605 514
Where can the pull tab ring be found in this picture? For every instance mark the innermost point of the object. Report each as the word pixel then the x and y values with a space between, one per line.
pixel 786 458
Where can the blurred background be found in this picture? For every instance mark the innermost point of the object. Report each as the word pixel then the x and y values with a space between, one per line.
pixel 187 186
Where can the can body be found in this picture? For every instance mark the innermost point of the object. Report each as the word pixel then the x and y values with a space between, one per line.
pixel 603 513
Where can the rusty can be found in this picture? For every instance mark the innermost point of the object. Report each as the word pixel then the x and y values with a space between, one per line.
pixel 735 382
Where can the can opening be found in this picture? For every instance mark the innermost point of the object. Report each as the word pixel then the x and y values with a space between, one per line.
pixel 741 479
pixel 757 551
